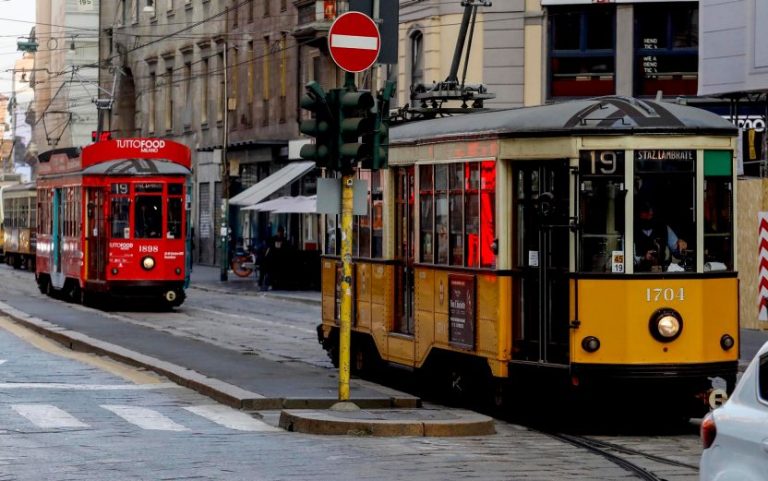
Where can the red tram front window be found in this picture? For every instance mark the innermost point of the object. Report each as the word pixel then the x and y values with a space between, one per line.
pixel 174 218
pixel 148 217
pixel 120 217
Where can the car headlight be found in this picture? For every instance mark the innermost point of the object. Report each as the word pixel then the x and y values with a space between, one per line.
pixel 666 325
pixel 148 263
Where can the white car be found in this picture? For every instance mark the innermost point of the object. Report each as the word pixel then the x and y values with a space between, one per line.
pixel 735 436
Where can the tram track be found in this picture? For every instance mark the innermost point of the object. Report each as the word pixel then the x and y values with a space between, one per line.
pixel 603 449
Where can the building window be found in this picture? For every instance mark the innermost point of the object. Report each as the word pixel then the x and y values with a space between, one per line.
pixel 235 69
pixel 221 98
pixel 582 51
pixel 204 90
pixel 265 73
pixel 417 58
pixel 251 6
pixel 235 8
pixel 266 7
pixel 152 101
pixel 283 77
pixel 457 214
pixel 283 5
pixel 666 49
pixel 187 95
pixel 169 99
pixel 250 82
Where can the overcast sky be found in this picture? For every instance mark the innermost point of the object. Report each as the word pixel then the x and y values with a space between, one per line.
pixel 17 17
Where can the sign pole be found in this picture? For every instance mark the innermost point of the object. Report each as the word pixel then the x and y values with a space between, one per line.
pixel 345 329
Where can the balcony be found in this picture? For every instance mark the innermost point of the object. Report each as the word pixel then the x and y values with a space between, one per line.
pixel 315 18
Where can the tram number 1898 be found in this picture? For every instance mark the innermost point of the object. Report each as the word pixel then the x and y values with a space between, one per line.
pixel 658 294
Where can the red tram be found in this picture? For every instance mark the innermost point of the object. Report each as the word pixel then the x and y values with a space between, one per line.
pixel 112 221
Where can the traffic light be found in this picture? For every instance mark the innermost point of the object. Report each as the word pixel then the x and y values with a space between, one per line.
pixel 322 126
pixel 355 121
pixel 379 138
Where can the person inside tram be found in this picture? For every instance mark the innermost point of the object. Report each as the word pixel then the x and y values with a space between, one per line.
pixel 148 220
pixel 655 241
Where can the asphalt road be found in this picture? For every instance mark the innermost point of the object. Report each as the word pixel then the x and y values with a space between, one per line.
pixel 70 418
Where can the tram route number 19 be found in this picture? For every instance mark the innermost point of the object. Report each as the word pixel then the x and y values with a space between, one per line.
pixel 658 294
pixel 602 162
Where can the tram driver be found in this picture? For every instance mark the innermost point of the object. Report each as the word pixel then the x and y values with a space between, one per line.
pixel 655 242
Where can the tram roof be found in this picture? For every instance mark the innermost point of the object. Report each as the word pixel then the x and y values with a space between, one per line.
pixel 136 167
pixel 597 116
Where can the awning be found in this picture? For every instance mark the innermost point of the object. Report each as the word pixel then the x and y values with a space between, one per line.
pixel 263 189
pixel 287 205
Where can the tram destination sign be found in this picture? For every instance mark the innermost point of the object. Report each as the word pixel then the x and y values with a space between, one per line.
pixel 662 160
pixel 461 311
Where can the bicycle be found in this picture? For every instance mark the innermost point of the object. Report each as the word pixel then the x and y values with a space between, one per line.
pixel 243 264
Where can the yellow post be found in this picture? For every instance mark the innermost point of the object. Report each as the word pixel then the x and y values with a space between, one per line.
pixel 345 334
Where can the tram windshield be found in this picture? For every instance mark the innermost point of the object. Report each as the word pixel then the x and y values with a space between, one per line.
pixel 148 215
pixel 665 234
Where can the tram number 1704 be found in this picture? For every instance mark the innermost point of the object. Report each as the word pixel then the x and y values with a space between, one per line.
pixel 658 294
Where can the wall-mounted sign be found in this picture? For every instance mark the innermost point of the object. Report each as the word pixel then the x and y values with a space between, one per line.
pixel 461 310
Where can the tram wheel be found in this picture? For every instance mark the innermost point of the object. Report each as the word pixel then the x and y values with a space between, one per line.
pixel 16 262
pixel 42 284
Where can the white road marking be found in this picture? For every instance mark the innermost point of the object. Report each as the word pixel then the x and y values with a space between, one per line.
pixel 47 416
pixel 231 418
pixel 354 41
pixel 88 387
pixel 145 418
pixel 281 325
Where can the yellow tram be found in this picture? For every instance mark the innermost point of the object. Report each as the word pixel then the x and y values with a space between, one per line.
pixel 513 247
pixel 20 224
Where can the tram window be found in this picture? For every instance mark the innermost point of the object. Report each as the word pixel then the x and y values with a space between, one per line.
pixel 174 218
pixel 148 217
pixel 601 211
pixel 665 213
pixel 426 213
pixel 175 189
pixel 457 204
pixel 456 214
pixel 718 211
pixel 120 215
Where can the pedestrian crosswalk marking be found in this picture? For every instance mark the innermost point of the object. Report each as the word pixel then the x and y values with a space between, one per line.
pixel 145 418
pixel 231 418
pixel 47 416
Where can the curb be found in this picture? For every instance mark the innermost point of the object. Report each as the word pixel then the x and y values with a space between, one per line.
pixel 464 423
pixel 220 391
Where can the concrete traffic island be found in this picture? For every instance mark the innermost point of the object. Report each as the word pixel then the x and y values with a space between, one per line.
pixel 348 419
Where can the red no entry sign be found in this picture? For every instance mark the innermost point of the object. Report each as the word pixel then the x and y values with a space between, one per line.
pixel 354 41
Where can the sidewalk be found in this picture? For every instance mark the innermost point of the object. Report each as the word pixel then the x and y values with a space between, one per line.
pixel 209 278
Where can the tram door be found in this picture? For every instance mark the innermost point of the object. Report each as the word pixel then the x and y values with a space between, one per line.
pixel 542 253
pixel 96 233
pixel 404 250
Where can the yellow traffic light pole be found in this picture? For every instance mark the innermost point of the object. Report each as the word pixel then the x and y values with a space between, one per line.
pixel 347 207
pixel 345 330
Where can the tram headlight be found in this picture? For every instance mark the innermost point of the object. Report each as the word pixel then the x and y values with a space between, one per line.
pixel 666 325
pixel 148 263
pixel 178 271
pixel 114 271
pixel 727 342
pixel 590 344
